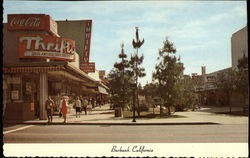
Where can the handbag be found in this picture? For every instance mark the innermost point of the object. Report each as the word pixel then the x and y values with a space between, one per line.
pixel 60 114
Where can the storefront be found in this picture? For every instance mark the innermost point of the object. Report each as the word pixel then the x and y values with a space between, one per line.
pixel 38 63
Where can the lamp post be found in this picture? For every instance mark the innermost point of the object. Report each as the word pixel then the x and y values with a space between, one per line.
pixel 134 100
pixel 123 55
pixel 136 44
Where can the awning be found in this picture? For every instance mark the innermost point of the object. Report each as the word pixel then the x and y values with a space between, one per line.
pixel 102 90
pixel 32 69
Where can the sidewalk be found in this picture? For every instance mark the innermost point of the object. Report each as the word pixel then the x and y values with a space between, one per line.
pixel 105 116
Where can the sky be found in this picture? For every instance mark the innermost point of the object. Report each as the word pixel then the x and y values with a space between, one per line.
pixel 200 30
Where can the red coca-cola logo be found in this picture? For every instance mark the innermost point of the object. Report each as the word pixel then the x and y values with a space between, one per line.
pixel 25 22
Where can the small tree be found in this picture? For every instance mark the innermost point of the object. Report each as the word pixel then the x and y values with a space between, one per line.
pixel 168 73
pixel 186 96
pixel 118 80
pixel 121 66
pixel 226 82
pixel 136 72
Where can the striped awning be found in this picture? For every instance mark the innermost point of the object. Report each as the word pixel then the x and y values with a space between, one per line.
pixel 32 69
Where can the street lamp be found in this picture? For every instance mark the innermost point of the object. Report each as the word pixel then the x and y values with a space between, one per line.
pixel 136 44
pixel 134 100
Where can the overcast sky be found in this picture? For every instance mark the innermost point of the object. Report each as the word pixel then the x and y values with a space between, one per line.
pixel 200 30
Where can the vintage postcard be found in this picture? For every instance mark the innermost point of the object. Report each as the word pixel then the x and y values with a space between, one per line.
pixel 125 78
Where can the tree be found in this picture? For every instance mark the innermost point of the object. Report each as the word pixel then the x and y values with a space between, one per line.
pixel 235 81
pixel 118 80
pixel 121 67
pixel 135 72
pixel 186 96
pixel 168 73
pixel 226 82
pixel 242 80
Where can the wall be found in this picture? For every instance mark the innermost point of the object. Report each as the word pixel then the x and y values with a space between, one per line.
pixel 10 43
pixel 74 30
pixel 239 45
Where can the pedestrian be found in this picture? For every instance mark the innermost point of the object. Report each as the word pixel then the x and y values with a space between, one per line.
pixel 93 102
pixel 85 104
pixel 49 108
pixel 78 106
pixel 64 108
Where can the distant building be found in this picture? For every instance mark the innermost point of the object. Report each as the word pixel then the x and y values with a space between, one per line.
pixel 210 94
pixel 239 46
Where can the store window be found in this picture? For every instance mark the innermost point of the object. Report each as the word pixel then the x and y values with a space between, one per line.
pixel 13 88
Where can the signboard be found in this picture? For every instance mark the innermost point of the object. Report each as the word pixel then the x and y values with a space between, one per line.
pixel 88 67
pixel 14 95
pixel 101 73
pixel 211 78
pixel 41 22
pixel 13 80
pixel 87 41
pixel 210 86
pixel 48 47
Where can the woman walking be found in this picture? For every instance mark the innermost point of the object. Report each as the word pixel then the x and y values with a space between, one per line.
pixel 64 108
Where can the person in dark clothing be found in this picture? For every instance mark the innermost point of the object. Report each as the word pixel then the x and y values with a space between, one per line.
pixel 85 104
pixel 49 108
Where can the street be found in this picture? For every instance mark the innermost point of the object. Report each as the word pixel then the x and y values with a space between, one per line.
pixel 229 133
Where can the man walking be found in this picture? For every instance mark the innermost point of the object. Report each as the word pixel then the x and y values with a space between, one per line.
pixel 49 108
pixel 78 106
pixel 85 104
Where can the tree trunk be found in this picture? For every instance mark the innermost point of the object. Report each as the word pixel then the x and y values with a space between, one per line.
pixel 161 112
pixel 138 107
pixel 169 112
pixel 229 102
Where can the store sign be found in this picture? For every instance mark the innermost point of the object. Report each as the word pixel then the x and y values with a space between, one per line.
pixel 41 22
pixel 101 73
pixel 210 86
pixel 14 80
pixel 15 95
pixel 88 67
pixel 86 52
pixel 211 78
pixel 48 47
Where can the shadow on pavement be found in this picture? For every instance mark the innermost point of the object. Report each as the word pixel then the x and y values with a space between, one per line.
pixel 235 111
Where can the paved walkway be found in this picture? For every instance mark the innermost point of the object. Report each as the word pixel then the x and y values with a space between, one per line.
pixel 103 115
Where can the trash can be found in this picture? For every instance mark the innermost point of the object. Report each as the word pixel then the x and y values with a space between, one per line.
pixel 118 112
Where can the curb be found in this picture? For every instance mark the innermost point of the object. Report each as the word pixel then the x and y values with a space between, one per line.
pixel 131 124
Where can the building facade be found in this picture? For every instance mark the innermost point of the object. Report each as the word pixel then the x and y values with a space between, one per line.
pixel 39 61
pixel 210 93
pixel 239 46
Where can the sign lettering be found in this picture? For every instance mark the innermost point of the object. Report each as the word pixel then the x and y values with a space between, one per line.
pixel 87 41
pixel 40 22
pixel 43 46
pixel 88 67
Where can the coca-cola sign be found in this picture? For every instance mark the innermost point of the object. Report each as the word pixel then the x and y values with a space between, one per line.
pixel 25 22
pixel 44 46
pixel 34 22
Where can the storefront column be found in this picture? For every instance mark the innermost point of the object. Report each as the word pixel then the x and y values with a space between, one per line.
pixel 43 95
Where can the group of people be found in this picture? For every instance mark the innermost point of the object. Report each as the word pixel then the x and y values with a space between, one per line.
pixel 80 104
pixel 63 108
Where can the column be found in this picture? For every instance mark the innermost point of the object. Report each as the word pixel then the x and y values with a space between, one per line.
pixel 43 95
